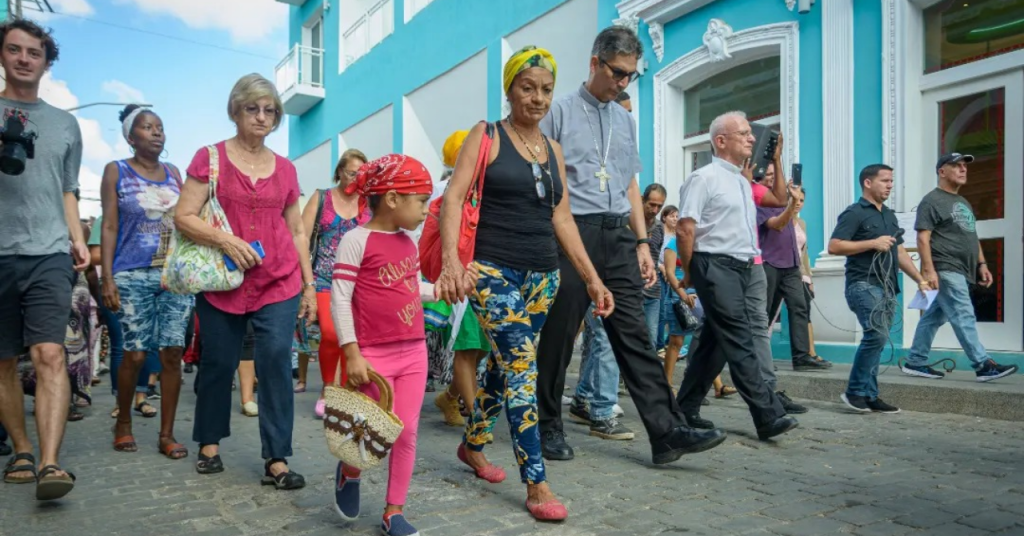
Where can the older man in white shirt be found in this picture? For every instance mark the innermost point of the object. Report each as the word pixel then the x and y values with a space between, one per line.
pixel 717 242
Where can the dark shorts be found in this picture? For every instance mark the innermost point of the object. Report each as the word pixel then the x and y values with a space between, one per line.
pixel 35 301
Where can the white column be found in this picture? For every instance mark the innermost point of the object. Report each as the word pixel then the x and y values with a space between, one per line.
pixel 837 117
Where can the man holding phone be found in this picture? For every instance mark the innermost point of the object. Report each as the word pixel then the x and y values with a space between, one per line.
pixel 781 256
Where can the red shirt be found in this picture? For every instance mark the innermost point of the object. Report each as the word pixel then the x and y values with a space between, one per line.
pixel 758 190
pixel 256 212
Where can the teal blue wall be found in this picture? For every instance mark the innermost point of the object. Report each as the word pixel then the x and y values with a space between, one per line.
pixel 408 58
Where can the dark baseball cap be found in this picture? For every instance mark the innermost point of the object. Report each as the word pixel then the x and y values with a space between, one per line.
pixel 953 158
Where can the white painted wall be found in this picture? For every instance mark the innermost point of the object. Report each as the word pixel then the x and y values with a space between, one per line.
pixel 456 100
pixel 314 168
pixel 374 136
pixel 567 32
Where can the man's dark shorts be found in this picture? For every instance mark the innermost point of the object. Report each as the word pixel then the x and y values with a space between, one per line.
pixel 35 301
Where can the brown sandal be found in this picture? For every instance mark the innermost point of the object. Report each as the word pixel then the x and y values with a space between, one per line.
pixel 172 449
pixel 725 391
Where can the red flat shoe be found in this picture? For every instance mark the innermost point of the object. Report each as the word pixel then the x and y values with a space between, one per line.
pixel 552 510
pixel 492 473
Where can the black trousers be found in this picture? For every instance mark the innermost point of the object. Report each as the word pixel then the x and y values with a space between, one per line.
pixel 727 335
pixel 787 284
pixel 612 249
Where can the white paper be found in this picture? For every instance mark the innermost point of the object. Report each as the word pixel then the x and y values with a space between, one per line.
pixel 906 221
pixel 923 300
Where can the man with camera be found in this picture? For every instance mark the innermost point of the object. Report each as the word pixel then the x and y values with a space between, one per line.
pixel 40 156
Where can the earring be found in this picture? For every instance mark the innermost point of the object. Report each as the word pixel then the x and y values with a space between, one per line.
pixel 165 154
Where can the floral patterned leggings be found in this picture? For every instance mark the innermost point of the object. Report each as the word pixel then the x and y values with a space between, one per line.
pixel 512 306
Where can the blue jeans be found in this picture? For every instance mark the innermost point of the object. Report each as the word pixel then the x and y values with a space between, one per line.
pixel 221 335
pixel 151 366
pixel 652 314
pixel 875 317
pixel 599 373
pixel 952 304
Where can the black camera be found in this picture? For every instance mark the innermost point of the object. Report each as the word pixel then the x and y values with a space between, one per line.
pixel 18 144
pixel 764 149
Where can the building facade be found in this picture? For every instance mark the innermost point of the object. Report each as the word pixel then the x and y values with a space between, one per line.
pixel 849 82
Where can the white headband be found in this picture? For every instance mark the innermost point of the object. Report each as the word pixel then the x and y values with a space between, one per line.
pixel 126 126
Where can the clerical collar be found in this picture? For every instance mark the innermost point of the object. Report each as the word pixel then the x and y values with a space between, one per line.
pixel 726 164
pixel 590 99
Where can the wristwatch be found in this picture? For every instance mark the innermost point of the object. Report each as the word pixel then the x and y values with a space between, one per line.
pixel 643 241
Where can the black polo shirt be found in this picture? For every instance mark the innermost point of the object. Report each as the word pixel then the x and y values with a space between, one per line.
pixel 863 221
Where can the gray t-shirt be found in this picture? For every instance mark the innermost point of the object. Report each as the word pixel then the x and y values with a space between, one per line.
pixel 32 204
pixel 954 239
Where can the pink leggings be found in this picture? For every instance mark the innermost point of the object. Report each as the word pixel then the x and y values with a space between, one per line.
pixel 404 366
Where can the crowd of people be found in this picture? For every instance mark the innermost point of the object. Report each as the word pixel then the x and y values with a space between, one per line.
pixel 566 243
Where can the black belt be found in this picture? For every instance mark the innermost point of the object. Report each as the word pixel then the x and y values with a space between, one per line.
pixel 727 260
pixel 606 221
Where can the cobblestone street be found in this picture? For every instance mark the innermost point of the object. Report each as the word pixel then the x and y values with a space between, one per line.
pixel 872 475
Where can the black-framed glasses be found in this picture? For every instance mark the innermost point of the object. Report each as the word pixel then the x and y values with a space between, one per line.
pixel 618 74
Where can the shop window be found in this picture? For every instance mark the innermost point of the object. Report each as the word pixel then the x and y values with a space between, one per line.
pixel 753 87
pixel 974 125
pixel 964 31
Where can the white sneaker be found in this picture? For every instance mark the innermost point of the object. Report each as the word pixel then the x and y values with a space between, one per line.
pixel 566 400
pixel 617 410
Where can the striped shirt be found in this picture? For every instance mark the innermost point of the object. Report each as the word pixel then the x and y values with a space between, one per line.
pixel 376 292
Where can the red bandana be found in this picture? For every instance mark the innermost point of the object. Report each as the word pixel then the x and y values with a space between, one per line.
pixel 403 174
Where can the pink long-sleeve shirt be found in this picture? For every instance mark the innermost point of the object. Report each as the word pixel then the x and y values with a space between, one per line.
pixel 376 292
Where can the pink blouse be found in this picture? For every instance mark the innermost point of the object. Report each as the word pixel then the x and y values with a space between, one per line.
pixel 256 212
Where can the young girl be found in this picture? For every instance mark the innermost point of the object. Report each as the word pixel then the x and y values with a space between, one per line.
pixel 376 304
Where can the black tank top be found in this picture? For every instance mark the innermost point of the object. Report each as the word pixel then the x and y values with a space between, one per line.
pixel 515 228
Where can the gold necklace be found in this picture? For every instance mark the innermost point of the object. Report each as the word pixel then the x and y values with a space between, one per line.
pixel 536 145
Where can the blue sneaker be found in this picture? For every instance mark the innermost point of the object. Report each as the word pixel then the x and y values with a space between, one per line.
pixel 346 495
pixel 921 371
pixel 396 525
pixel 993 371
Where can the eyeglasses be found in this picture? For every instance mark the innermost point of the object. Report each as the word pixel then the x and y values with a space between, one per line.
pixel 350 174
pixel 254 110
pixel 618 74
pixel 538 179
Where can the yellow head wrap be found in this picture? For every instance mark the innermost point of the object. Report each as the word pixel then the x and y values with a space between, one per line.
pixel 529 56
pixel 452 146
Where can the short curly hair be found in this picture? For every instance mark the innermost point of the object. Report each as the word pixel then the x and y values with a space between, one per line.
pixel 35 30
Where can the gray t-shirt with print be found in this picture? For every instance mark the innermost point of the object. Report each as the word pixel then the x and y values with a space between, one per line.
pixel 32 204
pixel 954 240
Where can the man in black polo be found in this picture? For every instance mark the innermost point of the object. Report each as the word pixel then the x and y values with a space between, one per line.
pixel 870 238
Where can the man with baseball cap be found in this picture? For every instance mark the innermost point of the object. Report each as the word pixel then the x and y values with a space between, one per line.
pixel 951 260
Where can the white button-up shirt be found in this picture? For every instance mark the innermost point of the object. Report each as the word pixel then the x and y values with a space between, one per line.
pixel 718 198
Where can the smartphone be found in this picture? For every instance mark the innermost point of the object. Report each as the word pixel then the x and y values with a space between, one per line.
pixel 257 246
pixel 797 176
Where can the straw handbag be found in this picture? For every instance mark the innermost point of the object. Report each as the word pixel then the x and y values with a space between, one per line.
pixel 360 430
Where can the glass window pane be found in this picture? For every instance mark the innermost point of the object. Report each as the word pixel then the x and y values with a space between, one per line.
pixel 988 302
pixel 974 124
pixel 753 87
pixel 962 31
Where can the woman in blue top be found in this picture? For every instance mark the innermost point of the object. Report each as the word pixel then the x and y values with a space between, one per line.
pixel 689 296
pixel 138 196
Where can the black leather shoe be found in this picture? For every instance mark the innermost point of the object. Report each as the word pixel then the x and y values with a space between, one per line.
pixel 695 421
pixel 780 426
pixel 554 447
pixel 684 440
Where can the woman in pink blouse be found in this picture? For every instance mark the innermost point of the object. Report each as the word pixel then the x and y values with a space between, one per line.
pixel 259 192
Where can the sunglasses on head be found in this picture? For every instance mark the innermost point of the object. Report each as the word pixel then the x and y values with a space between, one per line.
pixel 618 74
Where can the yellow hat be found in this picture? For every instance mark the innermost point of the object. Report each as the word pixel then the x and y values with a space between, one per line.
pixel 452 146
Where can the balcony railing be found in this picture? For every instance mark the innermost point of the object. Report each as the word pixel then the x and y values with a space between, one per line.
pixel 300 78
pixel 302 66
pixel 368 30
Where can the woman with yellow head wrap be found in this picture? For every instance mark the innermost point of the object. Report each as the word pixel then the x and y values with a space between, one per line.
pixel 524 221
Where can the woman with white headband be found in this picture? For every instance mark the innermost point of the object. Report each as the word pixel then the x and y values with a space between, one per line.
pixel 138 196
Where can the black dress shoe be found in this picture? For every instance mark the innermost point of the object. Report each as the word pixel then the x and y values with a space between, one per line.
pixel 696 421
pixel 778 427
pixel 810 364
pixel 554 447
pixel 684 440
